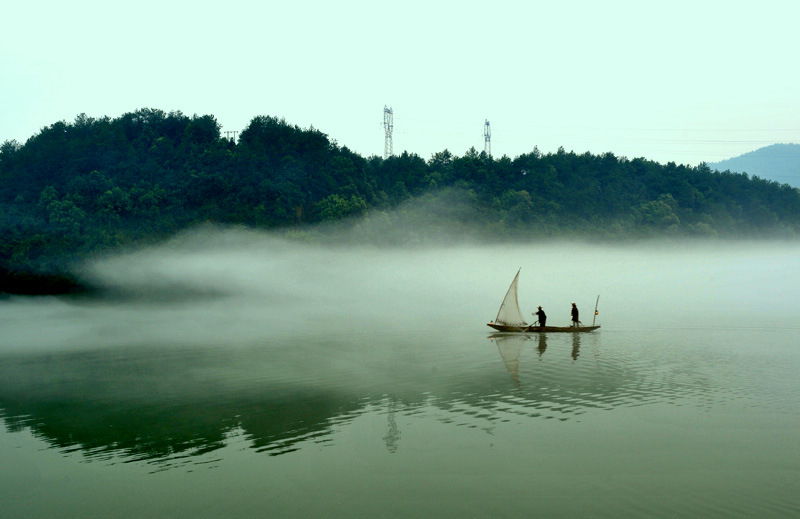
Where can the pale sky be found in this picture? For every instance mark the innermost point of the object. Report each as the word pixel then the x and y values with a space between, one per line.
pixel 680 80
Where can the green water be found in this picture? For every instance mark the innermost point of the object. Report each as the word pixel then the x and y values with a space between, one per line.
pixel 218 405
pixel 630 423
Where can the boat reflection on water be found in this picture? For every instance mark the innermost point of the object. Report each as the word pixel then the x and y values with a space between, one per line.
pixel 392 437
pixel 168 405
pixel 542 344
pixel 510 345
pixel 510 348
pixel 576 346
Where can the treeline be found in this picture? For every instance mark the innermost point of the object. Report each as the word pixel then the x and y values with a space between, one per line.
pixel 78 188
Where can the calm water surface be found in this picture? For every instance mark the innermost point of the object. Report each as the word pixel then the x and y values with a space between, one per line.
pixel 141 407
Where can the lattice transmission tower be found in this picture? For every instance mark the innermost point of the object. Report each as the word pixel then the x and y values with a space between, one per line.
pixel 487 138
pixel 388 125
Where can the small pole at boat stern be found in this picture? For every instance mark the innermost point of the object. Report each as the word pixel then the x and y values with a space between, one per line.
pixel 595 309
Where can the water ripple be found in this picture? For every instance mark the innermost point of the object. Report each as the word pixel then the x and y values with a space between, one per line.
pixel 146 403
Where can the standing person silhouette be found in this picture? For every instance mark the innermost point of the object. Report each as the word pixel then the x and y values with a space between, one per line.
pixel 542 316
pixel 575 320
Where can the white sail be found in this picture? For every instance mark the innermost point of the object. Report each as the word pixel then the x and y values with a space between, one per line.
pixel 509 314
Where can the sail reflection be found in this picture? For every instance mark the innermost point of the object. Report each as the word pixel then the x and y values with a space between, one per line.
pixel 168 406
pixel 510 347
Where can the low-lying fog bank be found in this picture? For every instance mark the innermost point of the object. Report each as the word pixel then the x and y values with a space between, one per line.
pixel 238 285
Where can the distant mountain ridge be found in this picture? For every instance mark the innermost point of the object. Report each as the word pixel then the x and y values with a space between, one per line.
pixel 778 162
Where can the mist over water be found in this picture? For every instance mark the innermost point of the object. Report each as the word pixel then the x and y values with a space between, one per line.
pixel 234 285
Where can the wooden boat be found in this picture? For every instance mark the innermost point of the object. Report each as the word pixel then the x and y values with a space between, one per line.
pixel 534 329
pixel 509 318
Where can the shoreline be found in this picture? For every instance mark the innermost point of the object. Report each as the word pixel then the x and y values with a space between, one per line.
pixel 36 284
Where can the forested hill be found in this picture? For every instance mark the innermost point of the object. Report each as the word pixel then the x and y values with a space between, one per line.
pixel 97 184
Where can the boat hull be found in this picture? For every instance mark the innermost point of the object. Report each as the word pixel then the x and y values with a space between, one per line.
pixel 548 329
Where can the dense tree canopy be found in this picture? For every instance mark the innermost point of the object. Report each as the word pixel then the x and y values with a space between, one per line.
pixel 78 188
